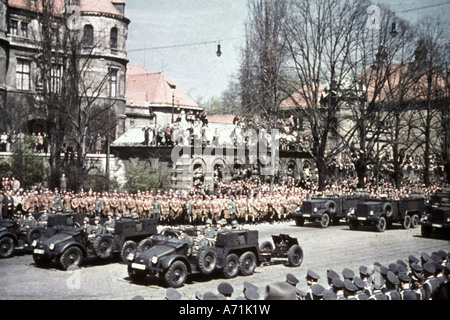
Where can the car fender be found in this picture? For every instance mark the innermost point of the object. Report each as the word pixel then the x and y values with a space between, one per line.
pixel 63 247
pixel 9 234
pixel 167 261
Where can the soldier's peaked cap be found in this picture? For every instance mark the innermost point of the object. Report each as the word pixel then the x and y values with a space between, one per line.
pixel 291 279
pixel 348 274
pixel 225 288
pixel 337 283
pixel 350 286
pixel 172 294
pixel 311 274
pixel 359 283
pixel 392 278
pixel 317 289
pixel 331 274
pixel 403 277
pixel 429 267
pixel 412 259
pixel 248 285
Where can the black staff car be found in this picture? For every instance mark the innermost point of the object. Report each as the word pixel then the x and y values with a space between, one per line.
pixel 70 247
pixel 232 252
pixel 382 213
pixel 14 237
pixel 325 210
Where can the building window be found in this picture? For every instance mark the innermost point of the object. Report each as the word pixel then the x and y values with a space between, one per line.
pixel 55 78
pixel 23 74
pixel 24 29
pixel 113 82
pixel 14 27
pixel 88 36
pixel 113 38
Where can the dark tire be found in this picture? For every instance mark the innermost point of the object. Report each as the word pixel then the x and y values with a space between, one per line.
pixel 415 220
pixel 353 224
pixel 207 260
pixel 103 247
pixel 128 247
pixel 231 266
pixel 330 206
pixel 247 263
pixel 34 234
pixel 7 246
pixel 41 261
pixel 176 275
pixel 266 246
pixel 325 220
pixel 295 256
pixel 426 231
pixel 388 209
pixel 73 256
pixel 406 224
pixel 145 244
pixel 381 224
pixel 300 222
pixel 136 275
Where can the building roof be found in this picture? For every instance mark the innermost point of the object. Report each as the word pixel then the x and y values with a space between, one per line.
pixel 154 88
pixel 100 6
pixel 303 98
pixel 405 82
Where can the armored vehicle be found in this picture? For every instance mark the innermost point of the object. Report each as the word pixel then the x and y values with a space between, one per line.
pixel 382 213
pixel 71 247
pixel 325 210
pixel 437 216
pixel 13 237
pixel 232 252
pixel 283 246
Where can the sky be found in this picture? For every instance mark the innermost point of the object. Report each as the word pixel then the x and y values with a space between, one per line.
pixel 180 38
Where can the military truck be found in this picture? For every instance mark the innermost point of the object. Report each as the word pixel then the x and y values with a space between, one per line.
pixel 437 215
pixel 233 252
pixel 13 237
pixel 72 247
pixel 382 213
pixel 325 210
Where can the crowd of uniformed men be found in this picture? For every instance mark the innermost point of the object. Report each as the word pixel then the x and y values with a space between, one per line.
pixel 424 278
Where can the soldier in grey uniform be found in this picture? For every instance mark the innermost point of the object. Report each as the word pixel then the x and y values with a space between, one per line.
pixel 198 241
pixel 95 230
pixel 156 208
pixel 30 221
pixel 43 219
pixel 110 224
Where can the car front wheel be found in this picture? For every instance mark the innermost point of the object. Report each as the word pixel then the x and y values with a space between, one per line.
pixel 176 275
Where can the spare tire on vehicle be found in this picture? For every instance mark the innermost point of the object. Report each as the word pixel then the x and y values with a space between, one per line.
pixel 103 247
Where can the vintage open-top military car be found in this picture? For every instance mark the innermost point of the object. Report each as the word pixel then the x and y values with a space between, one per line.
pixel 382 213
pixel 232 252
pixel 71 247
pixel 13 237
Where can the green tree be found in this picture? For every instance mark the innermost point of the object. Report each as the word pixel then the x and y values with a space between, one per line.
pixel 139 177
pixel 25 165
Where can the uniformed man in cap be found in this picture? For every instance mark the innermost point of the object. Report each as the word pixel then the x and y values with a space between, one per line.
pixel 198 241
pixel 331 274
pixel 429 284
pixel 96 230
pixel 30 220
pixel 280 291
pixel 405 287
pixel 317 291
pixel 110 223
pixel 350 290
pixel 187 211
pixel 337 285
pixel 391 286
pixel 86 226
pixel 43 219
pixel 311 278
pixel 348 274
pixel 328 295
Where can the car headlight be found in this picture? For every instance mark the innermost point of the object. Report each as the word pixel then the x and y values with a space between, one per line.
pixel 315 209
pixel 130 257
pixel 154 259
pixel 371 213
pixel 448 219
pixel 51 246
pixel 351 211
pixel 34 243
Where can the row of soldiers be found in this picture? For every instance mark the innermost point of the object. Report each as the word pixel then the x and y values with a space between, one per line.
pixel 427 278
pixel 170 208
